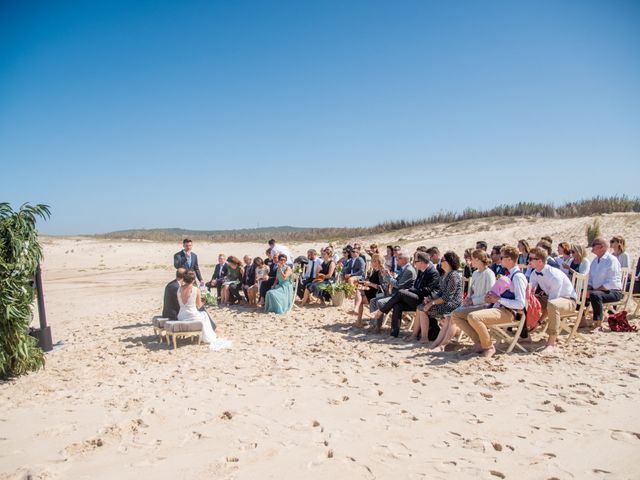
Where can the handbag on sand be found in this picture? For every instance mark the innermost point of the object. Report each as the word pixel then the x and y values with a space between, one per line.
pixel 618 322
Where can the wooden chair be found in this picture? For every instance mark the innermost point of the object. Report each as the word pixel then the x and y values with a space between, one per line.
pixel 628 281
pixel 510 332
pixel 580 283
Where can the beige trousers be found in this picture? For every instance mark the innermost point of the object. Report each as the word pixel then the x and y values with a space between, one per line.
pixel 555 308
pixel 460 318
pixel 477 321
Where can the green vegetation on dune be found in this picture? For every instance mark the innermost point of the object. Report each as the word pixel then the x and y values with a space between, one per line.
pixel 581 208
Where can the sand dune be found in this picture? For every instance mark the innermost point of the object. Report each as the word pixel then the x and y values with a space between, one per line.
pixel 305 395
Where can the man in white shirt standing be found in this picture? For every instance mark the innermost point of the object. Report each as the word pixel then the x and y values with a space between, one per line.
pixel 559 298
pixel 278 249
pixel 605 280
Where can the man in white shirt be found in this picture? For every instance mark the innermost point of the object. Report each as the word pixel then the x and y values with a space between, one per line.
pixel 313 269
pixel 278 249
pixel 559 298
pixel 505 308
pixel 605 280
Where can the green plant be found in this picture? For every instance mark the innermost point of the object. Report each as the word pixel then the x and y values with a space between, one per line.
pixel 20 252
pixel 593 231
pixel 332 288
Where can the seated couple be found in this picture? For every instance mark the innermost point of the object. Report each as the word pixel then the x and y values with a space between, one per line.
pixel 318 275
pixel 182 301
pixel 227 279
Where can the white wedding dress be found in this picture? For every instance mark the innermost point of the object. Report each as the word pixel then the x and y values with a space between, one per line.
pixel 189 312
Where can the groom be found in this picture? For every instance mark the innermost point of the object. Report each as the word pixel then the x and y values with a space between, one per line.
pixel 187 259
pixel 170 305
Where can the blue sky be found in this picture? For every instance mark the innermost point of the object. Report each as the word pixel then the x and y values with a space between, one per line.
pixel 233 114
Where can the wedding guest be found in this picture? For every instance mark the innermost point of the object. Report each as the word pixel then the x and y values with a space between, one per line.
pixel 434 256
pixel 267 283
pixel 219 272
pixel 523 248
pixel 248 276
pixel 354 270
pixel 482 280
pixel 579 261
pixel 506 307
pixel 481 245
pixel 231 284
pixel 468 270
pixel 447 299
pixel 547 247
pixel 496 265
pixel 279 298
pixel 549 240
pixel 371 286
pixel 559 295
pixel 313 268
pixel 326 276
pixel 277 249
pixel 405 279
pixel 186 259
pixel 563 259
pixel 618 247
pixel 373 249
pixel 605 280
pixel 170 305
pixel 260 274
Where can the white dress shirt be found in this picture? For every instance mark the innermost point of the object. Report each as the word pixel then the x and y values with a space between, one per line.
pixel 316 269
pixel 553 282
pixel 605 272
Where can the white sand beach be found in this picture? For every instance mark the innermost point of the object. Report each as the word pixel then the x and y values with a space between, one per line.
pixel 305 395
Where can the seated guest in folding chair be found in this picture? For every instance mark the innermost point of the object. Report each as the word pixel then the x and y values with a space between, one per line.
pixel 507 306
pixel 605 281
pixel 557 298
pixel 248 276
pixel 170 305
pixel 405 279
pixel 219 273
pixel 325 276
pixel 313 268
pixel 434 256
pixel 188 260
pixel 266 285
pixel 579 261
pixel 446 299
pixel 523 248
pixel 232 282
pixel 354 270
pixel 496 266
pixel 370 287
pixel 618 246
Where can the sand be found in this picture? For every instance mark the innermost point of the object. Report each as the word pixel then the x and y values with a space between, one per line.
pixel 305 395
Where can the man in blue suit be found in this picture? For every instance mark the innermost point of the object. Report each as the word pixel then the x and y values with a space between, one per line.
pixel 187 259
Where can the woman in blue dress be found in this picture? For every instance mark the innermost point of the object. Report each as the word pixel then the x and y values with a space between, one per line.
pixel 279 299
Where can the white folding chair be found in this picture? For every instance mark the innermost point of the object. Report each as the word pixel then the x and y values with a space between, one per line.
pixel 581 285
pixel 628 280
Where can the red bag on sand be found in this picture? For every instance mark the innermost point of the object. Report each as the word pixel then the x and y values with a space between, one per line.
pixel 618 322
pixel 533 311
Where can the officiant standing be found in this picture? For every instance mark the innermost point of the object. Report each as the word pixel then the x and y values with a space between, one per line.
pixel 187 259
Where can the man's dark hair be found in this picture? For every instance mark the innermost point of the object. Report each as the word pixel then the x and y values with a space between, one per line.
pixel 180 273
pixel 422 248
pixel 272 242
pixel 481 245
pixel 545 245
pixel 186 240
pixel 422 256
pixel 433 251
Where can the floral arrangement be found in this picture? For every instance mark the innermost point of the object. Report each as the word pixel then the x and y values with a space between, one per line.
pixel 332 288
pixel 207 298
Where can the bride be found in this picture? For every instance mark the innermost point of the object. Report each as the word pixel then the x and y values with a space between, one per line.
pixel 190 301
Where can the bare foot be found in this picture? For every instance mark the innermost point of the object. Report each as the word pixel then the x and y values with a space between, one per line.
pixel 489 352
